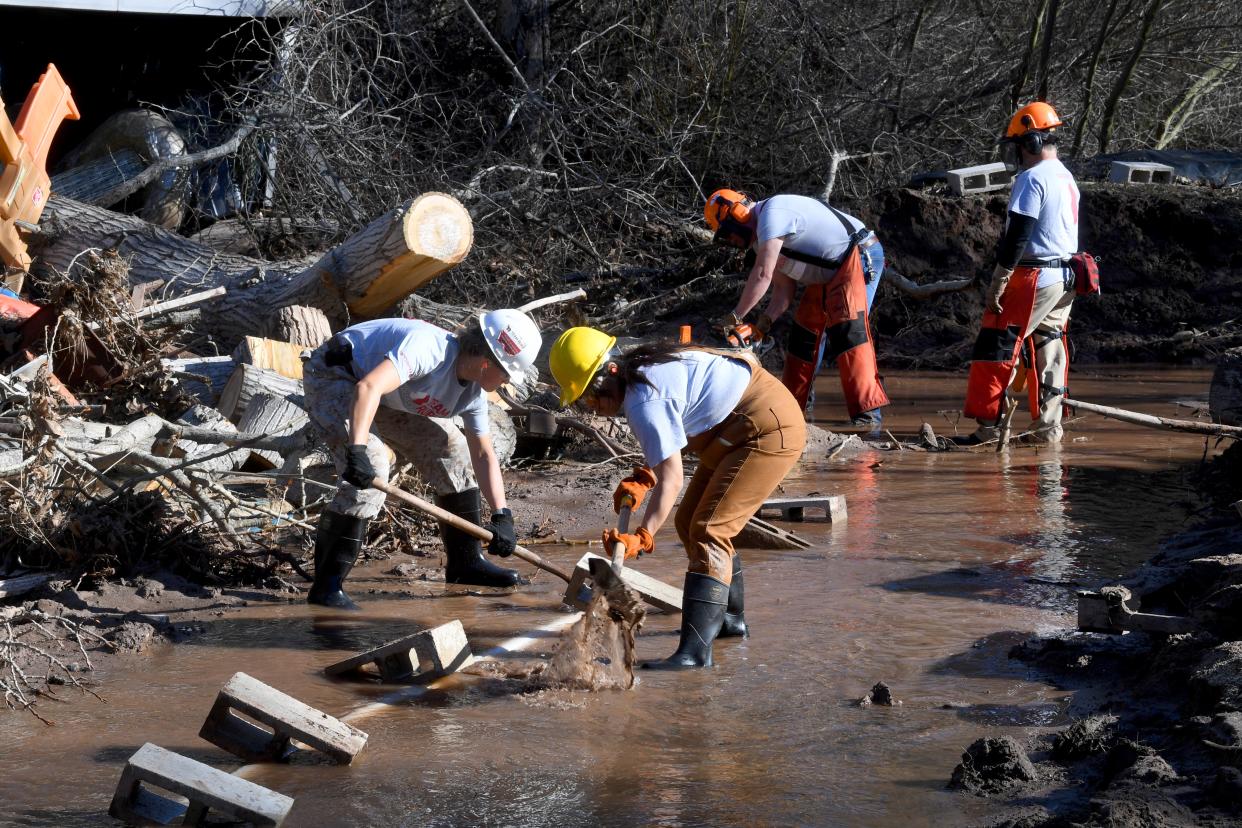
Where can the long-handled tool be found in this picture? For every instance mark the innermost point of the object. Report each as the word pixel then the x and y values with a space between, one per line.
pixel 654 592
pixel 623 526
pixel 464 525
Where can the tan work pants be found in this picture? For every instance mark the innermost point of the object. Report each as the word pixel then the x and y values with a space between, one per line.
pixel 741 462
pixel 1049 317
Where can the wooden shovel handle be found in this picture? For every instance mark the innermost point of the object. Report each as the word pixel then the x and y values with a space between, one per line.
pixel 623 526
pixel 464 525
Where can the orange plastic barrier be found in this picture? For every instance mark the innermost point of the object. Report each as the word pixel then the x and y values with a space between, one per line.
pixel 24 183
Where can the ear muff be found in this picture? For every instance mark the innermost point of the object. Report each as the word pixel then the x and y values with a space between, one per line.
pixel 1032 142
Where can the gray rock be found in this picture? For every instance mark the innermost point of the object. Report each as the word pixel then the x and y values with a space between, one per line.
pixel 132 636
pixel 149 589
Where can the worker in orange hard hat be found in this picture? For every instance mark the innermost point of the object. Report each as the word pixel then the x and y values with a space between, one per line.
pixel 1032 290
pixel 747 431
pixel 799 240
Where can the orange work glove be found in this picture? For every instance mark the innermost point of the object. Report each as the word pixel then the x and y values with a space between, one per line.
pixel 635 486
pixel 635 544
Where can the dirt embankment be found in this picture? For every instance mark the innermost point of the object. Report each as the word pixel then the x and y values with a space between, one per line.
pixel 1157 739
pixel 1170 263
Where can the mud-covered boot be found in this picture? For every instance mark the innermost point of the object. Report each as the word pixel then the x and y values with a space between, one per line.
pixel 735 612
pixel 703 609
pixel 466 564
pixel 338 540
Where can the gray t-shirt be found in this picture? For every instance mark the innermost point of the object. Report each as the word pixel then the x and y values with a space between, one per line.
pixel 1047 193
pixel 687 396
pixel 425 357
pixel 807 226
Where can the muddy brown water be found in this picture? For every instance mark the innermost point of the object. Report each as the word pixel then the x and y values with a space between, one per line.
pixel 946 561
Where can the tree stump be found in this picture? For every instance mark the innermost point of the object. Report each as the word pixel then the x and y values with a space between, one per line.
pixel 284 358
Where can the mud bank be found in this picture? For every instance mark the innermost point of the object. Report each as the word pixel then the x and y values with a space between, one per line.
pixel 1169 266
pixel 1157 737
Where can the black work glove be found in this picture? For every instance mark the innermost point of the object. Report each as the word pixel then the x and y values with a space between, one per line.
pixel 504 539
pixel 358 468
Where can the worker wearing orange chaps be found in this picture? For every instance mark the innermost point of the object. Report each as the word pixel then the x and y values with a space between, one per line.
pixel 837 310
pixel 1032 292
pixel 998 347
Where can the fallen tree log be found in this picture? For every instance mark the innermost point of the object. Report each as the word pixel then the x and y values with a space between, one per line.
pixel 202 377
pixel 363 276
pixel 1152 421
pixel 275 415
pixel 248 381
pixel 207 456
pixel 308 327
pixel 928 291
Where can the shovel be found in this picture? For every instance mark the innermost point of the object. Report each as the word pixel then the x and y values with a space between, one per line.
pixel 623 527
pixel 465 526
pixel 649 589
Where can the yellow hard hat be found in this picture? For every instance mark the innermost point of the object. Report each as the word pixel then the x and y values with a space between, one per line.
pixel 575 358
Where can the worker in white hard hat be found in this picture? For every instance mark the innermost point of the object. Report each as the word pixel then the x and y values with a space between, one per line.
pixel 398 383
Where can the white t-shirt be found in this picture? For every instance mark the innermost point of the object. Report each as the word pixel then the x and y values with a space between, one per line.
pixel 1047 192
pixel 687 396
pixel 425 357
pixel 807 226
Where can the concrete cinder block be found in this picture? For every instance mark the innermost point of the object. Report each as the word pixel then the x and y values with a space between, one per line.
pixel 287 717
pixel 206 788
pixel 1140 172
pixel 656 593
pixel 794 508
pixel 444 649
pixel 979 179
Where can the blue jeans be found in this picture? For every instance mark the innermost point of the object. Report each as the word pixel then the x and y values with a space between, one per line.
pixel 873 269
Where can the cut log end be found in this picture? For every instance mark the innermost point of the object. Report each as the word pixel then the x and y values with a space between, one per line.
pixel 437 226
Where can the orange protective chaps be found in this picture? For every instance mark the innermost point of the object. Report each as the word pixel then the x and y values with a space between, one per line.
pixel 837 310
pixel 998 346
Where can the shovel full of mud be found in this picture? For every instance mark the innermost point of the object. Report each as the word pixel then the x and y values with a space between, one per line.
pixel 597 652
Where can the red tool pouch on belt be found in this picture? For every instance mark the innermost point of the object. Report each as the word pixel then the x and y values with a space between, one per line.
pixel 1086 274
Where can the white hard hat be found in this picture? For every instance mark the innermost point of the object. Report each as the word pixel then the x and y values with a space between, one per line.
pixel 514 339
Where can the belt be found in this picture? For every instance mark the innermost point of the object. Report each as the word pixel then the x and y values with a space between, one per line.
pixel 338 353
pixel 1044 263
pixel 871 239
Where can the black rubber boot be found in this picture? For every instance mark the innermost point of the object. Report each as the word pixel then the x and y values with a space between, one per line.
pixel 735 613
pixel 702 614
pixel 466 564
pixel 338 540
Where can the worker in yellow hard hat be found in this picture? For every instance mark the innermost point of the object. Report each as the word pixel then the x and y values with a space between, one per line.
pixel 747 430
pixel 797 240
pixel 1032 290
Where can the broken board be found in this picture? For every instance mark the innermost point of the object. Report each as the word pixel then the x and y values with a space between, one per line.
pixel 1107 611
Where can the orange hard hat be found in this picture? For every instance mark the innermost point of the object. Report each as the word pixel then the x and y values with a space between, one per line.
pixel 1034 117
pixel 727 204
